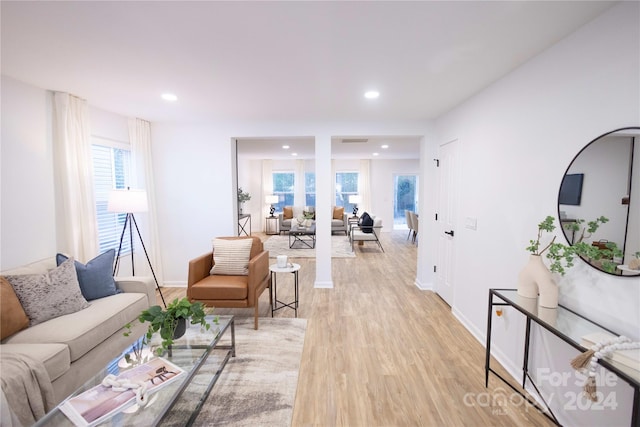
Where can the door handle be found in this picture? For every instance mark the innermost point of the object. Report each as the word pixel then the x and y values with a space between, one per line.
pixel 450 233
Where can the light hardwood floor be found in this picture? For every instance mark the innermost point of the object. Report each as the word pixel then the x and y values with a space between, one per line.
pixel 380 352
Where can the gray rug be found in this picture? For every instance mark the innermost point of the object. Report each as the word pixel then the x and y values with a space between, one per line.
pixel 279 245
pixel 258 386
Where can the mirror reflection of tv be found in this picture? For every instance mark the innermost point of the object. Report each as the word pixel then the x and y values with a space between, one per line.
pixel 571 189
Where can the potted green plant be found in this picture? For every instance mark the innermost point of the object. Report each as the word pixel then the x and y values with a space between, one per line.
pixel 242 197
pixel 171 322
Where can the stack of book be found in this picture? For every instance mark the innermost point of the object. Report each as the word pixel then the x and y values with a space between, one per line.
pixel 629 358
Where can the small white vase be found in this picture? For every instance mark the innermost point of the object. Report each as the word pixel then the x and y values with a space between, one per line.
pixel 535 279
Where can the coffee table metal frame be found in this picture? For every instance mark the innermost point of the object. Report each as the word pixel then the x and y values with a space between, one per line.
pixel 290 268
pixel 56 416
pixel 306 236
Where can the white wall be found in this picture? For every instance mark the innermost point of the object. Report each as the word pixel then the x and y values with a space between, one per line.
pixel 605 165
pixel 382 175
pixel 517 139
pixel 193 170
pixel 28 217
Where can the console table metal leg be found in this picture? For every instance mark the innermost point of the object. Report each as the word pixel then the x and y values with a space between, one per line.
pixel 525 361
pixel 487 360
pixel 295 290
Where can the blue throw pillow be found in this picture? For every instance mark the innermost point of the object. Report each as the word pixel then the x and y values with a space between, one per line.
pixel 96 277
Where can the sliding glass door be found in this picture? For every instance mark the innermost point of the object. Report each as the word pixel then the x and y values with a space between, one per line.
pixel 405 198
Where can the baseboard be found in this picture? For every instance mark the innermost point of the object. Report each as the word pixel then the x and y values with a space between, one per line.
pixel 506 362
pixel 174 284
pixel 323 285
pixel 428 286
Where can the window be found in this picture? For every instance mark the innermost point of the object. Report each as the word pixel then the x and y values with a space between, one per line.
pixel 283 187
pixel 346 185
pixel 310 189
pixel 111 169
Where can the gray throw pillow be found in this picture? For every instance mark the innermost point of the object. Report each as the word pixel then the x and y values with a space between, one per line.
pixel 49 295
pixel 96 277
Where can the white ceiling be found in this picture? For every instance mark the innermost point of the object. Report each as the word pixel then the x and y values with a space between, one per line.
pixel 348 147
pixel 286 61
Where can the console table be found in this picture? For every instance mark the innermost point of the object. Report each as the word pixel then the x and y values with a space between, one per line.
pixel 244 222
pixel 567 325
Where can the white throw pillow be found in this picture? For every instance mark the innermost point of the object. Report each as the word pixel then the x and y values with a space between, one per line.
pixel 231 257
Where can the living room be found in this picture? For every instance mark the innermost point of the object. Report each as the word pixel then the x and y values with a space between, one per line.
pixel 517 135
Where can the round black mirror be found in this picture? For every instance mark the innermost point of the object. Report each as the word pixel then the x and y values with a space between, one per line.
pixel 602 186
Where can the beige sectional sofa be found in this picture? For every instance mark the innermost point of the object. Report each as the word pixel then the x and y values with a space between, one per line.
pixel 76 346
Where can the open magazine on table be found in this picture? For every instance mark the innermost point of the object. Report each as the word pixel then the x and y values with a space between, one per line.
pixel 101 402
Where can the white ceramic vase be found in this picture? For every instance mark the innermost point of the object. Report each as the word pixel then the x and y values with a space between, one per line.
pixel 535 280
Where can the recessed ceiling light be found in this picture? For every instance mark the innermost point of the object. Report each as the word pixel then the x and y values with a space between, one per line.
pixel 286 147
pixel 294 154
pixel 372 94
pixel 376 154
pixel 169 97
pixel 384 146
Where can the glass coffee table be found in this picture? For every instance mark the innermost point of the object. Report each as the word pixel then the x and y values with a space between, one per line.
pixel 196 349
pixel 302 237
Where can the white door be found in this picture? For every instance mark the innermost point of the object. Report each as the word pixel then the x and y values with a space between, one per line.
pixel 447 219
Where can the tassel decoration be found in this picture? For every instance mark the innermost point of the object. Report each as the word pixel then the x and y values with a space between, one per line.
pixel 587 361
pixel 582 360
pixel 590 388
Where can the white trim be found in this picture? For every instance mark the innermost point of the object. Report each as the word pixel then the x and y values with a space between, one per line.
pixel 423 286
pixel 323 285
pixel 174 284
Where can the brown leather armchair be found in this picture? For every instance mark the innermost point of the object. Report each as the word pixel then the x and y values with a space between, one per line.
pixel 230 291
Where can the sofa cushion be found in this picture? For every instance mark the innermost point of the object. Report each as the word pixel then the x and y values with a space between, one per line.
pixel 49 295
pixel 96 277
pixel 338 212
pixel 54 357
pixel 12 315
pixel 231 257
pixel 83 330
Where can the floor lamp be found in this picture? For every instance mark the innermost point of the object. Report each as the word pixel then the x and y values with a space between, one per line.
pixel 129 201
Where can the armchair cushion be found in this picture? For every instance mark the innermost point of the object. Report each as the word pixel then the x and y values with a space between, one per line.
pixel 231 257
pixel 338 212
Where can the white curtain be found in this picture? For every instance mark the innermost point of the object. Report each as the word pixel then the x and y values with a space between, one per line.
pixel 333 183
pixel 140 140
pixel 299 198
pixel 364 186
pixel 75 206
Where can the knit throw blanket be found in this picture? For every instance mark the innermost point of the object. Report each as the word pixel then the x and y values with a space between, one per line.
pixel 26 387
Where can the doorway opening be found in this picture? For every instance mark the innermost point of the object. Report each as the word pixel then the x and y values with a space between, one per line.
pixel 405 198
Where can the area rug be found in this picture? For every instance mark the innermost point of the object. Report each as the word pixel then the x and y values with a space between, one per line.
pixel 279 245
pixel 258 386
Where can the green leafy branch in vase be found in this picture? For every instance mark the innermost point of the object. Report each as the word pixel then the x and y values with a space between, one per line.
pixel 562 256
